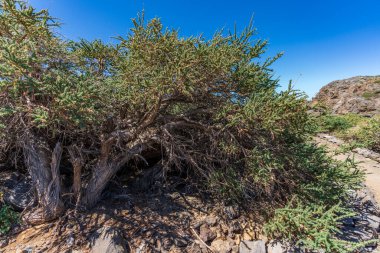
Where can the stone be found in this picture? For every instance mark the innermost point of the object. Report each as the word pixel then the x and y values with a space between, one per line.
pixel 235 249
pixel 70 241
pixel 235 227
pixel 109 241
pixel 222 246
pixel 348 222
pixel 194 248
pixel 373 222
pixel 211 220
pixel 232 212
pixel 167 243
pixel 19 195
pixel 276 247
pixel 252 247
pixel 247 236
pixel 9 179
pixel 180 242
pixel 28 249
pixel 358 234
pixel 206 234
pixel 3 243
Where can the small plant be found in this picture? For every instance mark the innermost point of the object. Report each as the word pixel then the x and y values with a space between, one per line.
pixel 312 227
pixel 8 217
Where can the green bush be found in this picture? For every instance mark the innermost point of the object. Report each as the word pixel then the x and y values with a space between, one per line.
pixel 207 109
pixel 369 134
pixel 338 123
pixel 372 94
pixel 355 129
pixel 8 218
pixel 312 227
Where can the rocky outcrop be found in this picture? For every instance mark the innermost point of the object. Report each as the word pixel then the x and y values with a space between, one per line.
pixel 359 94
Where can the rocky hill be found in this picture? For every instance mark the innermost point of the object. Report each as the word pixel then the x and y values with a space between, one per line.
pixel 359 94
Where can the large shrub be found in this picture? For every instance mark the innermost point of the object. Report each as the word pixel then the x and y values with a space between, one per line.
pixel 206 108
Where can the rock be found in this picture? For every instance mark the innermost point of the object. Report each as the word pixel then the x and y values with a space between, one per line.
pixel 232 212
pixel 180 242
pixel 276 247
pixel 167 243
pixel 19 195
pixel 358 234
pixel 206 234
pixel 3 243
pixel 28 249
pixel 211 220
pixel 359 94
pixel 235 227
pixel 235 249
pixel 349 222
pixel 223 246
pixel 9 179
pixel 373 222
pixel 368 153
pixel 194 248
pixel 70 241
pixel 252 247
pixel 247 236
pixel 109 241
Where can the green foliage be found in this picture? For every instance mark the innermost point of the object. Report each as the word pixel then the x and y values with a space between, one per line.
pixel 338 123
pixel 372 94
pixel 369 134
pixel 357 130
pixel 8 218
pixel 312 227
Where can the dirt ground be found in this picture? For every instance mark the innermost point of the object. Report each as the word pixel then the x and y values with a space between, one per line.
pixel 371 167
pixel 149 223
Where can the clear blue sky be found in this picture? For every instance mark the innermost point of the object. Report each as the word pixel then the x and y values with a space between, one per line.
pixel 323 40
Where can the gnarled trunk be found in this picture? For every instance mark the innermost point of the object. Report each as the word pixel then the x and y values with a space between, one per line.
pixel 106 167
pixel 43 166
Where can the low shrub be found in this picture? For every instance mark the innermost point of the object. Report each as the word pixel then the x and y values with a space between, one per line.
pixel 8 218
pixel 369 134
pixel 371 94
pixel 312 227
pixel 338 123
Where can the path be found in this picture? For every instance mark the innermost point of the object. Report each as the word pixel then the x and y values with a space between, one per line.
pixel 370 166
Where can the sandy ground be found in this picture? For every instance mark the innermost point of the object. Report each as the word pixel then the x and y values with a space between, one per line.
pixel 371 167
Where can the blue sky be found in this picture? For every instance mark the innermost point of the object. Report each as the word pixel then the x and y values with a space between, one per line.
pixel 322 40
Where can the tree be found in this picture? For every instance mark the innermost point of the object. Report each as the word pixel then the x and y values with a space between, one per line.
pixel 208 108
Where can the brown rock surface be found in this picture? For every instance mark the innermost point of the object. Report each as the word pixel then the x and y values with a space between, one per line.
pixel 359 94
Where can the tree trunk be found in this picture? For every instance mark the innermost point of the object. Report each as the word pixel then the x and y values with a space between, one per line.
pixel 43 167
pixel 101 175
pixel 76 160
pixel 106 167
